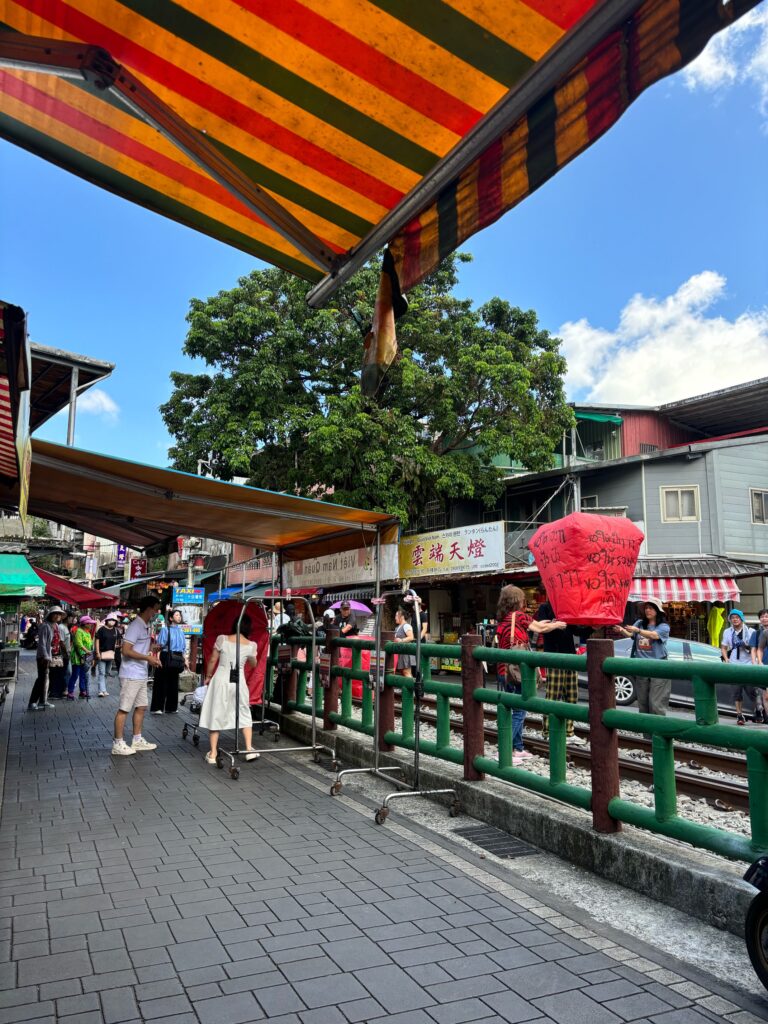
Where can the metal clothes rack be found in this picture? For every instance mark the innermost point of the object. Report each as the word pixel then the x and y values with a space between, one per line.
pixel 315 747
pixel 404 790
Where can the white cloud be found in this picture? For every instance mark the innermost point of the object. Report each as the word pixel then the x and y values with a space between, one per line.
pixel 738 54
pixel 665 349
pixel 96 403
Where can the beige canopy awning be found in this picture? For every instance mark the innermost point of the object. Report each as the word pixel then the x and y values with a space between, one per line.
pixel 142 505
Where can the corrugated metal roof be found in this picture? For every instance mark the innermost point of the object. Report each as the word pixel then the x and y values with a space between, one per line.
pixel 742 407
pixel 700 567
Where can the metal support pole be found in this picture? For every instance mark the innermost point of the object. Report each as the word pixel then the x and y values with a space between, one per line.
pixel 74 382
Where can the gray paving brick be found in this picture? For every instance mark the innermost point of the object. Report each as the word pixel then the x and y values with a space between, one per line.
pixel 612 990
pixel 19 996
pixel 26 1012
pixel 54 968
pixel 469 966
pixel 152 1009
pixel 324 1015
pixel 330 991
pixel 157 989
pixel 576 1008
pixel 467 988
pixel 668 995
pixel 632 1007
pixel 111 960
pixel 314 967
pixel 686 1015
pixel 355 954
pixel 119 1004
pixel 278 999
pixel 60 989
pixel 458 1012
pixel 362 1010
pixel 77 1004
pixel 147 936
pixel 188 956
pixel 115 979
pixel 235 1009
pixel 541 980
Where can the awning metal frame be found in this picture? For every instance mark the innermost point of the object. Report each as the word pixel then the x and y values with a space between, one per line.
pixel 95 66
pixel 603 18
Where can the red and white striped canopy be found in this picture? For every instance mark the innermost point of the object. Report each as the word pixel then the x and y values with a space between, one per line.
pixel 712 588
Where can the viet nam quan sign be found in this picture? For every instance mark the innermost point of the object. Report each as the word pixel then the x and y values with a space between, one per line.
pixel 478 548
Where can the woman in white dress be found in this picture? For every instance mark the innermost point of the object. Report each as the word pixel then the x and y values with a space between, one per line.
pixel 218 710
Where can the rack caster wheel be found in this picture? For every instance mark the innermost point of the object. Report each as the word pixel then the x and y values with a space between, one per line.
pixel 275 735
pixel 219 762
pixel 335 789
pixel 316 756
pixel 455 809
pixel 184 732
pixel 234 773
pixel 381 815
pixel 196 741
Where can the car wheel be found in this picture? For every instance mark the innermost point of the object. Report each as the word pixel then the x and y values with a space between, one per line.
pixel 625 689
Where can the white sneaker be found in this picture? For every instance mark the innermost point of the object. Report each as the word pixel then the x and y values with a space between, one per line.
pixel 143 745
pixel 121 748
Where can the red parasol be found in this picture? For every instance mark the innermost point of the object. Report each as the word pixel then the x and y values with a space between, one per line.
pixel 222 619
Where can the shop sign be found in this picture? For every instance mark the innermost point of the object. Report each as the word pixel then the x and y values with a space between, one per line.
pixel 138 568
pixel 189 600
pixel 345 567
pixel 122 556
pixel 463 549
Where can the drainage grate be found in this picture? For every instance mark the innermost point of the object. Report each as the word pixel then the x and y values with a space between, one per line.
pixel 499 843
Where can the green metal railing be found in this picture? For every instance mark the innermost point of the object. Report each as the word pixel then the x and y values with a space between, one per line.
pixel 558 712
pixel 663 817
pixel 443 693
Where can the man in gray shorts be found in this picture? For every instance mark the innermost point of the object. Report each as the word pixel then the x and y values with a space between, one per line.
pixel 134 671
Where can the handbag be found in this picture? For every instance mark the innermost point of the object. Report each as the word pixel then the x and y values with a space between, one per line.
pixel 169 659
pixel 514 675
pixel 56 662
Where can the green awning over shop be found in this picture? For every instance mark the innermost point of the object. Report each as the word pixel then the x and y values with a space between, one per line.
pixel 599 417
pixel 18 578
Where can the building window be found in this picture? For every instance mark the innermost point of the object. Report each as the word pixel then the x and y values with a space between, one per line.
pixel 759 506
pixel 435 517
pixel 680 504
pixel 646 449
pixel 588 501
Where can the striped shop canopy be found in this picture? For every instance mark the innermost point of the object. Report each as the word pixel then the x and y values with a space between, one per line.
pixel 676 589
pixel 311 133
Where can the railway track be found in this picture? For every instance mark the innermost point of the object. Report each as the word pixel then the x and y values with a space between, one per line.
pixel 722 794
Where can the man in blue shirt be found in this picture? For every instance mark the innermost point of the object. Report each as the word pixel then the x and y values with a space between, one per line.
pixel 737 647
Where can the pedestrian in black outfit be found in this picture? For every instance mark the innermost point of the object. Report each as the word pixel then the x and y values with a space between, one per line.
pixel 172 646
pixel 51 654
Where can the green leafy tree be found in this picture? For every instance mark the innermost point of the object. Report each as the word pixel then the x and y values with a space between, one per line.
pixel 280 400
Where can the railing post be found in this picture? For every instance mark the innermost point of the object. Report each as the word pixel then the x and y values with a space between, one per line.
pixel 331 694
pixel 293 680
pixel 604 741
pixel 387 698
pixel 472 710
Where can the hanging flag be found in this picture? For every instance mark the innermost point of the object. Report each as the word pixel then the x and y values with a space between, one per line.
pixel 380 346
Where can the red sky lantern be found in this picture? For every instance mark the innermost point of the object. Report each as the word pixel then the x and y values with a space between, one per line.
pixel 586 563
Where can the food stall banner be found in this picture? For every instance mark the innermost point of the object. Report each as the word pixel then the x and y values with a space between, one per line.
pixel 189 601
pixel 356 566
pixel 586 563
pixel 463 549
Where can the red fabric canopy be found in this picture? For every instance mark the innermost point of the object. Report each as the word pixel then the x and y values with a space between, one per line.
pixel 73 593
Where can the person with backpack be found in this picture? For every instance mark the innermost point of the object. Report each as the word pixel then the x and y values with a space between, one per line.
pixel 737 648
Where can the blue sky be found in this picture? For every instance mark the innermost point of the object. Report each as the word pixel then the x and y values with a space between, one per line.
pixel 647 255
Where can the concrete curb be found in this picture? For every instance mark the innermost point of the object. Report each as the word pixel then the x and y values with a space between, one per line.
pixel 698 884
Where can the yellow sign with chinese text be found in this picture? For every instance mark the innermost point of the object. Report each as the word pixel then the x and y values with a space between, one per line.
pixel 462 549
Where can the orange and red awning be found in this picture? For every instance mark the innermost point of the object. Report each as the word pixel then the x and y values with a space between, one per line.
pixel 311 133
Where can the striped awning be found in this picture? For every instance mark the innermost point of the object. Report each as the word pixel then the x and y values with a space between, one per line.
pixel 710 588
pixel 310 133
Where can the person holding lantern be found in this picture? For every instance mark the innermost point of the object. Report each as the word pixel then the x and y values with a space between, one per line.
pixel 561 683
pixel 649 642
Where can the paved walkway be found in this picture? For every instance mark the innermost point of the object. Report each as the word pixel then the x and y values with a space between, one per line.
pixel 155 888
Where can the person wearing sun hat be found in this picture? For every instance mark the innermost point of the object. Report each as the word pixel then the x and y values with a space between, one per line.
pixel 736 646
pixel 50 656
pixel 649 641
pixel 82 656
pixel 105 645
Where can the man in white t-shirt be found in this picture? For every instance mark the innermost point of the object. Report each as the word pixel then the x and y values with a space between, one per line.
pixel 134 672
